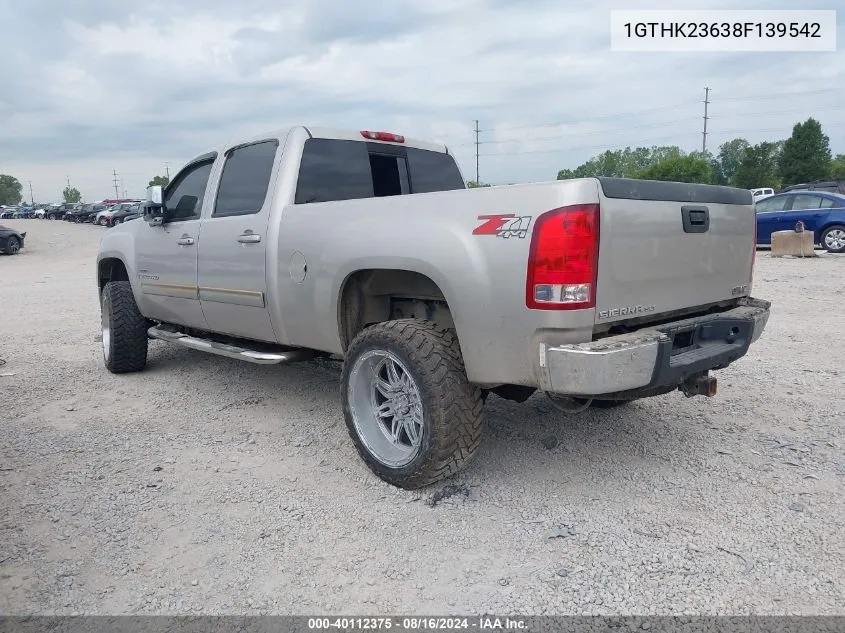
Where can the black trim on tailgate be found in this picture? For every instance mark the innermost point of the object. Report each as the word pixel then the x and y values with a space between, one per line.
pixel 631 189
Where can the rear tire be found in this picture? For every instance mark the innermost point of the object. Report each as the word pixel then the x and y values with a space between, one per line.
pixel 410 410
pixel 124 329
pixel 833 239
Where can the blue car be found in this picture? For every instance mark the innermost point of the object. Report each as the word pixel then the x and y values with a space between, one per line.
pixel 821 212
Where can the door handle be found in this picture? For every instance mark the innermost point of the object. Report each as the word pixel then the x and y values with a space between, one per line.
pixel 185 240
pixel 248 237
pixel 695 219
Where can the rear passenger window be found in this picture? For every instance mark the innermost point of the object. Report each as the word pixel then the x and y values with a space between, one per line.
pixel 347 170
pixel 433 171
pixel 333 170
pixel 805 201
pixel 245 179
pixel 772 204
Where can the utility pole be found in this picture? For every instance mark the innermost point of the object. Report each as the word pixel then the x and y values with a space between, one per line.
pixel 68 182
pixel 477 144
pixel 167 171
pixel 116 192
pixel 31 195
pixel 704 134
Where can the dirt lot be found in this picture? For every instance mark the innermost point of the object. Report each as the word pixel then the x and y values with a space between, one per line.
pixel 210 486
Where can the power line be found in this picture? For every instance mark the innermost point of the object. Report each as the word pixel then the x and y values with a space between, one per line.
pixel 596 118
pixel 639 127
pixel 756 114
pixel 763 97
pixel 606 146
pixel 568 134
pixel 778 96
pixel 772 129
pixel 643 143
pixel 477 145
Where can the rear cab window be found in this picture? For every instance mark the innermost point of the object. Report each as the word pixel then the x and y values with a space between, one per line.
pixel 334 169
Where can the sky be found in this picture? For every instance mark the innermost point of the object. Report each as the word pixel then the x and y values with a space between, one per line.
pixel 91 88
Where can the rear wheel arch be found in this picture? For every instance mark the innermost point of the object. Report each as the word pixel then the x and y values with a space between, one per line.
pixel 375 295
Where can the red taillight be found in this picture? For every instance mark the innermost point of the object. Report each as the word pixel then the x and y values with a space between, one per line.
pixel 383 136
pixel 563 259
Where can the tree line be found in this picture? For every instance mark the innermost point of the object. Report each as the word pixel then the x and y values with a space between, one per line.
pixel 804 157
pixel 11 191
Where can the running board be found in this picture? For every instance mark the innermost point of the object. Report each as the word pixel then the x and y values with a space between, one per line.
pixel 230 351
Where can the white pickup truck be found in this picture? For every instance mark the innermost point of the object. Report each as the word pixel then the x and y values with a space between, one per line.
pixel 367 246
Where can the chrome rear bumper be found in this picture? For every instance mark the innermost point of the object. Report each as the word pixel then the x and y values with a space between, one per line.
pixel 652 358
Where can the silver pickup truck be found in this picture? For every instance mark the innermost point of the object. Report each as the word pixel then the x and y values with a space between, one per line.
pixel 367 246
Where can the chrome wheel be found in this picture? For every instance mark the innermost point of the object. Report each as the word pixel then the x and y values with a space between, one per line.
pixel 14 246
pixel 834 239
pixel 386 408
pixel 105 325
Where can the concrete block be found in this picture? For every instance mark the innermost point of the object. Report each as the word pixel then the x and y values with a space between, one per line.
pixel 792 243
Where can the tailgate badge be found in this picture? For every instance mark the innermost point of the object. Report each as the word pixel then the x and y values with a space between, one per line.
pixel 739 290
pixel 626 311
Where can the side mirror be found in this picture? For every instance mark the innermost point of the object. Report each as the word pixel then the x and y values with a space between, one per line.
pixel 155 195
pixel 154 206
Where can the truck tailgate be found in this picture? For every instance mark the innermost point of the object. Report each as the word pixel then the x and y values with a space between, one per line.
pixel 667 246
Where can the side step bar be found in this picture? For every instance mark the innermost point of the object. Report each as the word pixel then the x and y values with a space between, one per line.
pixel 230 351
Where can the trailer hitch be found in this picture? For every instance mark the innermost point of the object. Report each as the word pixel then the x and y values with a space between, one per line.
pixel 699 385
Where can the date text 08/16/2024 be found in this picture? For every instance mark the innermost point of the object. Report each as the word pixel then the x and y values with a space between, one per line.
pixel 483 623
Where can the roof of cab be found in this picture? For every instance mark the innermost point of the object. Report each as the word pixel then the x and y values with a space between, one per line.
pixel 319 132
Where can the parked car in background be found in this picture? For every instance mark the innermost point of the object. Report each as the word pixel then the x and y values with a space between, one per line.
pixel 125 213
pixel 832 186
pixel 23 212
pixel 7 211
pixel 59 212
pixel 762 192
pixel 82 213
pixel 103 216
pixel 821 212
pixel 11 241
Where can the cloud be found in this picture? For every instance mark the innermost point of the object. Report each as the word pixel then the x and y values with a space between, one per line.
pixel 100 85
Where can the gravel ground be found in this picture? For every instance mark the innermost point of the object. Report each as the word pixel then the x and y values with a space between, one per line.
pixel 210 486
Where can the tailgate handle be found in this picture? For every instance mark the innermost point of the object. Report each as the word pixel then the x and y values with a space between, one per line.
pixel 696 219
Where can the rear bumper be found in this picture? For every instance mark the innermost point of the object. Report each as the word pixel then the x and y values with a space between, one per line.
pixel 653 359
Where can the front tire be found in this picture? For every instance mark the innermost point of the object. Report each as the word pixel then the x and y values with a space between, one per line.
pixel 124 329
pixel 13 245
pixel 410 410
pixel 833 239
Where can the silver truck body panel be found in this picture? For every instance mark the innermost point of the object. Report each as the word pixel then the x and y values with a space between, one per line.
pixel 286 286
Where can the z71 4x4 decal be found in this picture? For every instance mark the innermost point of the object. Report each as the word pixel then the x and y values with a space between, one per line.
pixel 504 225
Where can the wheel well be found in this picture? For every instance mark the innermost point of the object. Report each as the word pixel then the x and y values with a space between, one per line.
pixel 111 269
pixel 375 296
